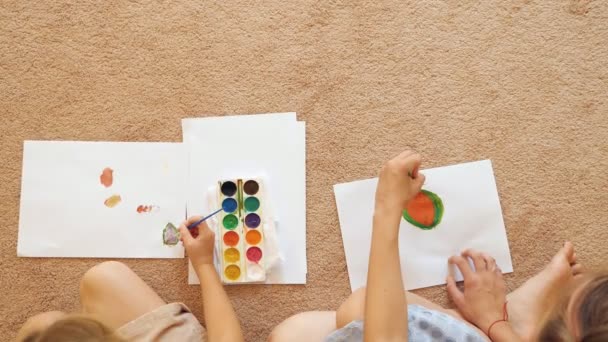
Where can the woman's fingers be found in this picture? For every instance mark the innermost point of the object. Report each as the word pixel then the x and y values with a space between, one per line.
pixel 490 262
pixel 478 260
pixel 454 292
pixel 462 265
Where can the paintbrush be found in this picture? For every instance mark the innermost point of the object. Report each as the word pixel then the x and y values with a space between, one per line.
pixel 193 225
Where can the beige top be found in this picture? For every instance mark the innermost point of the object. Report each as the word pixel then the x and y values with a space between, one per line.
pixel 171 322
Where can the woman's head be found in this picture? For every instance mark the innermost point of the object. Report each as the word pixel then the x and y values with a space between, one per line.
pixel 583 315
pixel 57 326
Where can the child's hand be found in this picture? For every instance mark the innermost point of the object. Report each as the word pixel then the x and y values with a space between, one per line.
pixel 485 292
pixel 199 243
pixel 399 182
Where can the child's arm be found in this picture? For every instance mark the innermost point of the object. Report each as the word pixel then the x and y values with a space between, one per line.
pixel 220 319
pixel 385 303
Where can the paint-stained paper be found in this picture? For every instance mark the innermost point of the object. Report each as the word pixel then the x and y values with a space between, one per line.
pixel 472 219
pixel 71 206
pixel 239 146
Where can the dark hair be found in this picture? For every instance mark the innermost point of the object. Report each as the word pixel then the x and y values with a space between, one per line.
pixel 74 328
pixel 591 316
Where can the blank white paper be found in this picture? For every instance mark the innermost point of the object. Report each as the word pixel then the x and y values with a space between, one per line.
pixel 272 145
pixel 62 199
pixel 472 219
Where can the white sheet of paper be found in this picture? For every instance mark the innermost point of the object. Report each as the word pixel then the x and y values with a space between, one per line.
pixel 62 199
pixel 270 145
pixel 472 219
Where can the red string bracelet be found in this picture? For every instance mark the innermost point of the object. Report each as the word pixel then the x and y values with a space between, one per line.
pixel 505 318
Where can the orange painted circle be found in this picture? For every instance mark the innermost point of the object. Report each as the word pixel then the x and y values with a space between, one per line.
pixel 421 209
pixel 231 239
pixel 253 237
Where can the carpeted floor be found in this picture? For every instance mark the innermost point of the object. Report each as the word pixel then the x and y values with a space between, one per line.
pixel 522 82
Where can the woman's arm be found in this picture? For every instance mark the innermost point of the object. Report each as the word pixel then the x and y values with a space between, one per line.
pixel 484 299
pixel 220 319
pixel 385 303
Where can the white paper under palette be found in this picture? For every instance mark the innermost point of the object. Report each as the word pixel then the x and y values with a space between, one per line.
pixel 268 145
pixel 100 199
pixel 472 218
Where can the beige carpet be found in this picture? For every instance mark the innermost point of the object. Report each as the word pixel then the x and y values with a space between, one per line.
pixel 522 82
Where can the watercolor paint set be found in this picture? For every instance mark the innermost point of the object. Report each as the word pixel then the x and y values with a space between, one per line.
pixel 240 228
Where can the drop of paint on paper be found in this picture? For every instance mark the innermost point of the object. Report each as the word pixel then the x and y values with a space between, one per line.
pixel 112 201
pixel 147 208
pixel 170 235
pixel 424 211
pixel 106 178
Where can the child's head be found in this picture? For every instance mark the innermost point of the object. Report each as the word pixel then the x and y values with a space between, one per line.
pixel 58 326
pixel 583 314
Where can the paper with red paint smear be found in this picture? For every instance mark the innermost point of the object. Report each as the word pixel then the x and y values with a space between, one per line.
pixel 472 218
pixel 62 199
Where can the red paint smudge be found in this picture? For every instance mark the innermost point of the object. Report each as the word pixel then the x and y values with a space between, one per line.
pixel 146 208
pixel 421 209
pixel 106 178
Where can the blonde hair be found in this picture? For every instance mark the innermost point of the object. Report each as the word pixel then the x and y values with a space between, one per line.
pixel 75 328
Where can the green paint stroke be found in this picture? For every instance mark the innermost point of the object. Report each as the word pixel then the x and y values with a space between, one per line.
pixel 438 212
pixel 170 235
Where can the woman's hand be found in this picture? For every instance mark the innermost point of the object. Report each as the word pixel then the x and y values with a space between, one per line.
pixel 485 292
pixel 199 243
pixel 399 182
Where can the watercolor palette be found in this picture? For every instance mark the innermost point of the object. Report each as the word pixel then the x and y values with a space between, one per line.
pixel 240 230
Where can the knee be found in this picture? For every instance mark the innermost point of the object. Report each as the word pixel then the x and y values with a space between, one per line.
pixel 285 330
pixel 95 277
pixel 304 327
pixel 352 309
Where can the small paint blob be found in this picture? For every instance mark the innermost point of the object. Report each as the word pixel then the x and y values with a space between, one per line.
pixel 254 254
pixel 106 178
pixel 170 235
pixel 424 211
pixel 253 237
pixel 229 205
pixel 112 201
pixel 228 188
pixel 251 187
pixel 252 220
pixel 232 272
pixel 252 204
pixel 232 255
pixel 231 239
pixel 255 272
pixel 230 221
pixel 147 208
